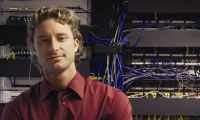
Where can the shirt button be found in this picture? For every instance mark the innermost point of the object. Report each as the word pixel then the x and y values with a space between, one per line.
pixel 63 103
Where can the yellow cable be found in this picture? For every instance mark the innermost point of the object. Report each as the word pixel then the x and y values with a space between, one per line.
pixel 108 57
pixel 147 95
pixel 149 118
pixel 114 39
pixel 14 54
pixel 179 84
pixel 155 16
pixel 126 1
pixel 180 118
pixel 95 78
pixel 154 94
pixel 187 51
pixel 159 118
pixel 154 117
pixel 190 89
pixel 133 95
pixel 168 118
pixel 114 71
pixel 9 55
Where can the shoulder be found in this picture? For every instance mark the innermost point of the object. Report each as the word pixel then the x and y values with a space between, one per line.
pixel 116 103
pixel 101 90
pixel 96 86
pixel 27 96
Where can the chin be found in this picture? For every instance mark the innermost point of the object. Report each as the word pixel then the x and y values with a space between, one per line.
pixel 59 67
pixel 55 67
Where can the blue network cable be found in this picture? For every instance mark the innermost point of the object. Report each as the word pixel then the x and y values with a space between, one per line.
pixel 12 84
pixel 142 32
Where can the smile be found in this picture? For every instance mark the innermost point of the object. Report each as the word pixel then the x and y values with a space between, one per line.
pixel 54 57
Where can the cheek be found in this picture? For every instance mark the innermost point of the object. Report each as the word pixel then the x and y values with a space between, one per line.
pixel 68 47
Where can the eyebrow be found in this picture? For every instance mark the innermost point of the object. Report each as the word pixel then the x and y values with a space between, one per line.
pixel 41 36
pixel 62 34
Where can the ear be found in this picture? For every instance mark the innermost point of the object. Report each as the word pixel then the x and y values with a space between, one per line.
pixel 33 48
pixel 76 45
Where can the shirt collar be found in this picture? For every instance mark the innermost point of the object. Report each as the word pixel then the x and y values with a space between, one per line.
pixel 77 85
pixel 45 88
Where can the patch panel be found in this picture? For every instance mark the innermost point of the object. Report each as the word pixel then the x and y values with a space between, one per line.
pixel 74 8
pixel 173 38
pixel 165 61
pixel 22 83
pixel 166 94
pixel 33 5
pixel 7 96
pixel 17 16
pixel 20 52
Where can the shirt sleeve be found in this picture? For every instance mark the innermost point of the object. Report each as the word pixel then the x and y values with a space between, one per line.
pixel 121 108
pixel 10 112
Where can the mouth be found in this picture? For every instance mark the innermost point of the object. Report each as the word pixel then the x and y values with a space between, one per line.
pixel 55 57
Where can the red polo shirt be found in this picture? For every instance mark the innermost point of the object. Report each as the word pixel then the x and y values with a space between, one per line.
pixel 84 99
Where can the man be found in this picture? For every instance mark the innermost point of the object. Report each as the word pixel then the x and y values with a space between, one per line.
pixel 63 94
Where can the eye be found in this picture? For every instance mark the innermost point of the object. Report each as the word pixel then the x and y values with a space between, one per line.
pixel 61 38
pixel 44 40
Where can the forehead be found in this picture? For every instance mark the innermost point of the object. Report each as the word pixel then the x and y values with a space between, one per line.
pixel 52 26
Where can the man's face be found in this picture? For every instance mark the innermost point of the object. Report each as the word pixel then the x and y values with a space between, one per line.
pixel 54 46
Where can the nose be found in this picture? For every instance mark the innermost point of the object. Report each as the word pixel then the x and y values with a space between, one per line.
pixel 54 45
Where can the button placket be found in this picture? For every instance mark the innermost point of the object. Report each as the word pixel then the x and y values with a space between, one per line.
pixel 63 103
pixel 61 99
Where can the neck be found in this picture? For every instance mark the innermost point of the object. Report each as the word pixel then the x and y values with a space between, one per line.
pixel 60 80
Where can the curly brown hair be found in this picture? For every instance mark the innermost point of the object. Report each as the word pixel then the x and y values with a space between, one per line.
pixel 63 16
